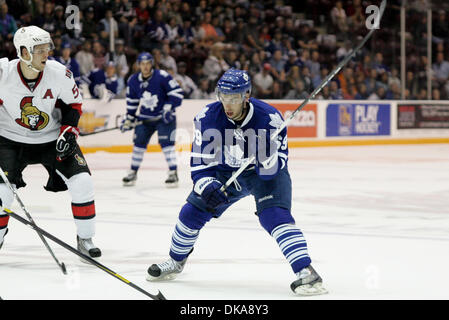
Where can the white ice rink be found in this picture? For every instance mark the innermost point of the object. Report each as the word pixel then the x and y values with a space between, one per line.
pixel 376 219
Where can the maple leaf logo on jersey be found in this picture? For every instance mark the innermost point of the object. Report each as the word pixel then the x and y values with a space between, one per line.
pixel 149 101
pixel 31 117
pixel 276 120
pixel 234 156
pixel 202 114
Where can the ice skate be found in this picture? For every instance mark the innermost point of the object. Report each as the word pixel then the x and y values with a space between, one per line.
pixel 87 247
pixel 130 179
pixel 167 270
pixel 309 283
pixel 172 180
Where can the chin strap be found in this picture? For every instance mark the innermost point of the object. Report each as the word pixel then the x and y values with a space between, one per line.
pixel 28 63
pixel 33 68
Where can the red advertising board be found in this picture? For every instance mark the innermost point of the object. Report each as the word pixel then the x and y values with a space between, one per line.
pixel 304 124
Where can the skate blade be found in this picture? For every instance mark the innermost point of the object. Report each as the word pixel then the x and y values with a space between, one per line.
pixel 88 262
pixel 164 278
pixel 129 184
pixel 308 290
pixel 171 185
pixel 95 257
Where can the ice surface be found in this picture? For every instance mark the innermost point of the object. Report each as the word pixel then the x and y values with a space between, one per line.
pixel 376 219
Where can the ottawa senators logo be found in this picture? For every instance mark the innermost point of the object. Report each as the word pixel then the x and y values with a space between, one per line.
pixel 31 117
pixel 80 160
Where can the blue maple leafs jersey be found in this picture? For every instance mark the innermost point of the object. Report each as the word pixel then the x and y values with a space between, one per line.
pixel 97 77
pixel 222 145
pixel 152 94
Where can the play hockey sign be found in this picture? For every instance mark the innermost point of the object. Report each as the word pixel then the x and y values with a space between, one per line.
pixel 348 119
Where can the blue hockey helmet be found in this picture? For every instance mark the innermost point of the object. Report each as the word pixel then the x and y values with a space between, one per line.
pixel 145 56
pixel 234 81
pixel 232 89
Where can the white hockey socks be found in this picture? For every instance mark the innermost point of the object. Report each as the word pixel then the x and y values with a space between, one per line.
pixel 83 206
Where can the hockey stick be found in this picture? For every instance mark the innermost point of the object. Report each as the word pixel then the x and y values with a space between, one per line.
pixel 118 127
pixel 159 296
pixel 312 95
pixel 5 179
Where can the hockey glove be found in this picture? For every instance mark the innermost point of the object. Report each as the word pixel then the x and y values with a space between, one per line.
pixel 168 115
pixel 128 123
pixel 209 189
pixel 66 143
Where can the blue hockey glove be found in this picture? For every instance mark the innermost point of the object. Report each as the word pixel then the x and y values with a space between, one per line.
pixel 167 114
pixel 128 123
pixel 209 189
pixel 66 143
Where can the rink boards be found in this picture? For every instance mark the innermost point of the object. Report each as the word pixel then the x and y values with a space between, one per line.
pixel 319 123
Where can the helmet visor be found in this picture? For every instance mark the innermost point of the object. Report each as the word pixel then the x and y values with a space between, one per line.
pixel 44 48
pixel 233 98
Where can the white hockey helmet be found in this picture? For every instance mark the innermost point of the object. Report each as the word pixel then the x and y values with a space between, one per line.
pixel 29 37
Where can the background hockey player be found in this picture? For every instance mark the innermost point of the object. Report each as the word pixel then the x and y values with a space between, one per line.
pixel 103 84
pixel 228 132
pixel 158 95
pixel 69 62
pixel 40 106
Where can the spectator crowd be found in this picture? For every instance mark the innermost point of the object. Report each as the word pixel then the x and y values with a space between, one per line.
pixel 288 47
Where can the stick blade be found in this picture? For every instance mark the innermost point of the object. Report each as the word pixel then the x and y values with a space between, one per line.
pixel 160 296
pixel 63 268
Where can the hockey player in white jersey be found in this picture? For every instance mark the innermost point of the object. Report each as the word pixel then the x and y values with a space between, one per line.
pixel 40 106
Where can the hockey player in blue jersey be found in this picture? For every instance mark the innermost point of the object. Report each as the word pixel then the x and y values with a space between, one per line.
pixel 103 84
pixel 157 95
pixel 70 62
pixel 227 133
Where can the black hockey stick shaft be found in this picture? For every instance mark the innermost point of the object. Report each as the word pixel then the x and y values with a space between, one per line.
pixel 118 127
pixel 159 296
pixel 6 181
pixel 312 95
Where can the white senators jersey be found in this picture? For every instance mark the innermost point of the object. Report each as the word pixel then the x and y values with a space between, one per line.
pixel 34 115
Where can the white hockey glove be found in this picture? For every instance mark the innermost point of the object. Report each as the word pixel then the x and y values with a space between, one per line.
pixel 128 123
pixel 167 114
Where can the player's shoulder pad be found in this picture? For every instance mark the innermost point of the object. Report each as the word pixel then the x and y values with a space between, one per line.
pixel 58 71
pixel 163 73
pixel 208 112
pixel 133 79
pixel 266 113
pixel 263 106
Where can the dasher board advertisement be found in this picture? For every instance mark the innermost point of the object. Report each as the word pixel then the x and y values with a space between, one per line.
pixel 304 124
pixel 423 116
pixel 358 119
